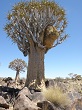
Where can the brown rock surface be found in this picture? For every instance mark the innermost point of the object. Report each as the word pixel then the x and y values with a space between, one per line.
pixel 24 103
pixel 3 103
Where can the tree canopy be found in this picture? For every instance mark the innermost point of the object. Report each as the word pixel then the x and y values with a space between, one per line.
pixel 27 21
pixel 18 65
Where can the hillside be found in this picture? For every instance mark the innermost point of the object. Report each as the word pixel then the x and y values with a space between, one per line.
pixel 13 95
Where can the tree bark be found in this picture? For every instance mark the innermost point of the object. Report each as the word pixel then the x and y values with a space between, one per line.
pixel 35 71
pixel 17 76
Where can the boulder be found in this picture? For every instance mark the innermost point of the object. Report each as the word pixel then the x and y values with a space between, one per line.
pixel 3 103
pixel 25 100
pixel 38 97
pixel 24 103
pixel 8 93
pixel 25 91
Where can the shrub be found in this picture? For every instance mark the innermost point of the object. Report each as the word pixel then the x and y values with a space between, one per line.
pixel 56 96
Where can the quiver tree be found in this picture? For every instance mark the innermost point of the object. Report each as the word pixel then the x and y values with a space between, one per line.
pixel 19 66
pixel 36 27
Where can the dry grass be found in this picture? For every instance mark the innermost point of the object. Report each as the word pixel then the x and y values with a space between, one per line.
pixel 56 96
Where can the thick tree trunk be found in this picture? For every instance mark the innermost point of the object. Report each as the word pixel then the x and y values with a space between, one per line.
pixel 35 72
pixel 17 76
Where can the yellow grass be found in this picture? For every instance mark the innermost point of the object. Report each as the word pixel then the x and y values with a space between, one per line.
pixel 56 96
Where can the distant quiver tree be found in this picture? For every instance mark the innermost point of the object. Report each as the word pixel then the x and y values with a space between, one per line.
pixel 36 26
pixel 19 66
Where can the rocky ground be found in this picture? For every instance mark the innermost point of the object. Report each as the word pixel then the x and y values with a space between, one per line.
pixel 17 97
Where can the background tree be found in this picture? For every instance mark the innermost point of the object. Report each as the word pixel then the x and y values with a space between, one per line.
pixel 19 66
pixel 36 27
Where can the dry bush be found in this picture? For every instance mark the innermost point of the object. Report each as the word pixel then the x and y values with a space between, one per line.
pixel 56 96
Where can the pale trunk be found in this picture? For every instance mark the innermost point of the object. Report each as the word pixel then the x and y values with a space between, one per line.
pixel 17 76
pixel 35 72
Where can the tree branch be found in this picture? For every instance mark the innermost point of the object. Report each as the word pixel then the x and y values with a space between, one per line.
pixel 60 41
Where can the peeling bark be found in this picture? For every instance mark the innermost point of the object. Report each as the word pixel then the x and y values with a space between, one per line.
pixel 35 72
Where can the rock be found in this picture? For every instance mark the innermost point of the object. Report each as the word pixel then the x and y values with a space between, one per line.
pixel 7 79
pixel 8 93
pixel 8 89
pixel 49 83
pixel 46 105
pixel 77 105
pixel 74 95
pixel 9 82
pixel 10 107
pixel 24 103
pixel 25 91
pixel 37 97
pixel 3 103
pixel 32 99
pixel 3 108
pixel 22 81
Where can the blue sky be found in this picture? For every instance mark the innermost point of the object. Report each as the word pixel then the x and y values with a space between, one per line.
pixel 60 61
